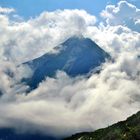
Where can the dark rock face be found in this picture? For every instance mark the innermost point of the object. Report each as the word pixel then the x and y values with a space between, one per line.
pixel 77 56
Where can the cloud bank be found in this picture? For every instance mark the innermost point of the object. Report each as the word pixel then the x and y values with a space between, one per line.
pixel 63 105
pixel 124 13
pixel 22 41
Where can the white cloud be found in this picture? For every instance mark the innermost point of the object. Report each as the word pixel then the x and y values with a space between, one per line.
pixel 65 105
pixel 21 40
pixel 6 10
pixel 123 14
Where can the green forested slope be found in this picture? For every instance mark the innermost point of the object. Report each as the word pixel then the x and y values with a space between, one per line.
pixel 124 130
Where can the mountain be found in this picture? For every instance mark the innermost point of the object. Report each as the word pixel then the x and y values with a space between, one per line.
pixel 124 130
pixel 76 56
pixel 10 134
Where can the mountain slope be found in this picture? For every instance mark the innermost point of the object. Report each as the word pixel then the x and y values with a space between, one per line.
pixel 76 56
pixel 10 134
pixel 125 130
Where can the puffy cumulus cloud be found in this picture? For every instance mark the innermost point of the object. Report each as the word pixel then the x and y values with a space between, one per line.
pixel 21 41
pixel 115 39
pixel 123 14
pixel 11 76
pixel 6 10
pixel 74 18
pixel 63 105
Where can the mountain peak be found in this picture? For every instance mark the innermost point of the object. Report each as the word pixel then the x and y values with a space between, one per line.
pixel 77 56
pixel 78 40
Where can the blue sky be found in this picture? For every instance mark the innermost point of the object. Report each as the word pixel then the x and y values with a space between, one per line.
pixel 32 8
